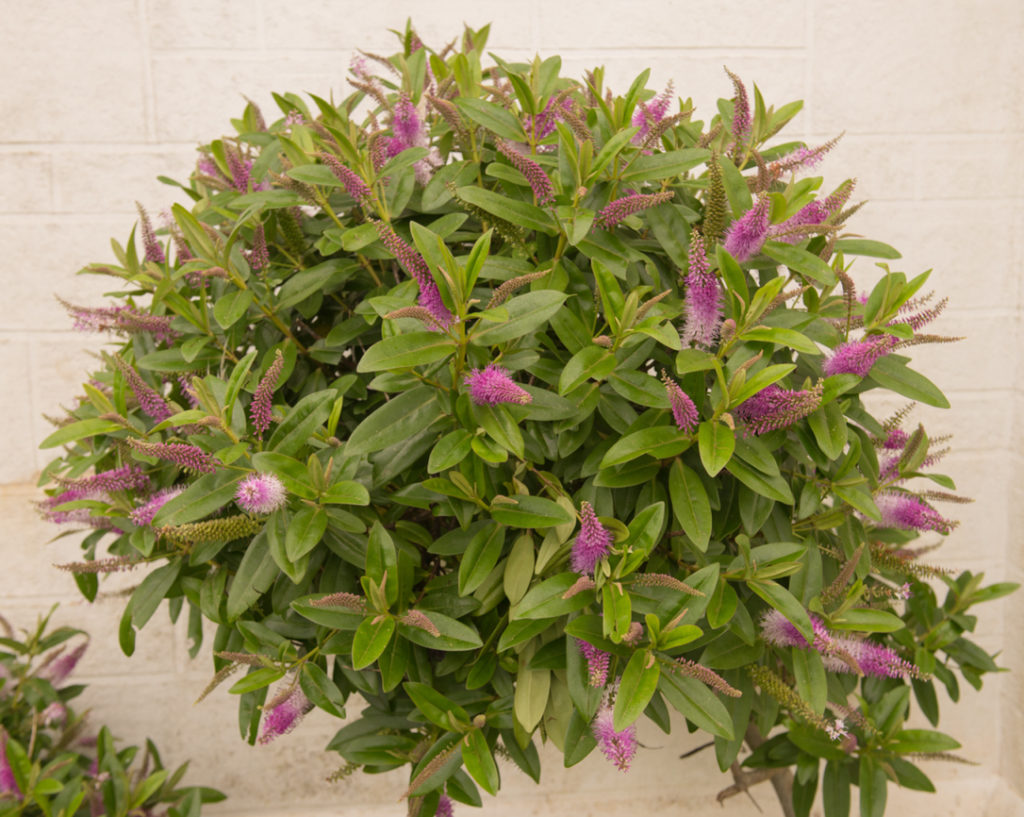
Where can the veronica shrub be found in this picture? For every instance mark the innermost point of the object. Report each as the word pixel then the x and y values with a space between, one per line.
pixel 433 384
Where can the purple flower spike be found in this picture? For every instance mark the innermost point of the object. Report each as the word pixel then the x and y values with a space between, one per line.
pixel 703 306
pixel 260 412
pixel 618 747
pixel 444 807
pixel 62 667
pixel 412 262
pixel 597 663
pixel 616 211
pixel 8 785
pixel 154 252
pixel 774 407
pixel 592 543
pixel 148 399
pixel 260 494
pixel 492 385
pixel 189 457
pixel 534 173
pixel 857 357
pixel 123 320
pixel 143 515
pixel 741 108
pixel 872 658
pixel 747 234
pixel 684 412
pixel 354 184
pixel 259 257
pixel 651 113
pixel 908 512
pixel 283 717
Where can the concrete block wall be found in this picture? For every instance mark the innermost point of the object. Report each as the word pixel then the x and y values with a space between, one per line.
pixel 102 96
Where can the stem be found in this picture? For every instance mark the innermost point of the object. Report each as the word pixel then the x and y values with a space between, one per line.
pixel 782 782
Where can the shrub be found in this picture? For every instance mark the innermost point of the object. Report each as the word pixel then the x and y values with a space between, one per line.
pixel 50 763
pixel 524 409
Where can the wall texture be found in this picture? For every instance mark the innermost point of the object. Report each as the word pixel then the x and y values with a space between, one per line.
pixel 101 96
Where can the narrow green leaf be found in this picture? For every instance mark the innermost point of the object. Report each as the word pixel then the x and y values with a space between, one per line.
pixel 716 443
pixel 639 680
pixel 479 762
pixel 370 639
pixel 406 351
pixel 690 503
pixel 399 419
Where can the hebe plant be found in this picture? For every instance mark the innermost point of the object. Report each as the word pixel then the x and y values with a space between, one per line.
pixel 523 410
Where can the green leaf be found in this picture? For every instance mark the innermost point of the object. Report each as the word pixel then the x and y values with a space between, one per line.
pixel 660 442
pixel 639 680
pixel 799 260
pixel 399 419
pixel 230 308
pixel 863 246
pixel 255 574
pixel 785 337
pixel 78 430
pixel 449 451
pixel 321 690
pixel 492 117
pixel 868 621
pixel 305 418
pixel 455 636
pixel 786 603
pixel 589 363
pixel 518 212
pixel 526 313
pixel 531 692
pixel 519 569
pixel 545 600
pixel 835 789
pixel 909 741
pixel 697 703
pixel 304 532
pixel 370 640
pixel 151 592
pixel 828 424
pixel 664 165
pixel 892 373
pixel 406 351
pixel 690 503
pixel 872 788
pixel 811 681
pixel 716 443
pixel 479 762
pixel 346 492
pixel 480 558
pixel 433 705
pixel 529 512
pixel 776 488
pixel 257 679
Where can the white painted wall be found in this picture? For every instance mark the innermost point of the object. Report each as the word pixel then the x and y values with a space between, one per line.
pixel 100 96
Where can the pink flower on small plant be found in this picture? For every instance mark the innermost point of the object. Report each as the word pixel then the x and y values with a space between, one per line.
pixel 618 747
pixel 592 543
pixel 282 716
pixel 261 494
pixel 492 385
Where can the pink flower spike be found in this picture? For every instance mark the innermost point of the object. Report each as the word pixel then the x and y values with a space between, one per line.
pixel 684 412
pixel 154 251
pixel 534 173
pixel 618 747
pixel 747 234
pixel 261 494
pixel 8 785
pixel 775 407
pixel 492 385
pixel 63 666
pixel 592 544
pixel 283 717
pixel 143 515
pixel 444 807
pixel 597 663
pixel 260 412
pixel 857 357
pixel 909 512
pixel 703 306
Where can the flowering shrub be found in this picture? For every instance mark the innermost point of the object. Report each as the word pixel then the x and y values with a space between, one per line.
pixel 50 764
pixel 525 410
